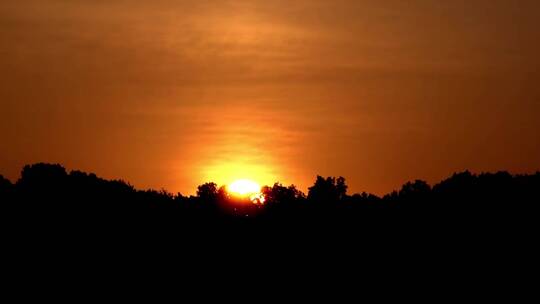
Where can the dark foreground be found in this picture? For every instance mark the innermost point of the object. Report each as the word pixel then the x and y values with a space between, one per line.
pixel 77 225
pixel 47 198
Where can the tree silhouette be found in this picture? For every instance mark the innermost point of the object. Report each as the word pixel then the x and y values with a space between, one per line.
pixel 6 190
pixel 42 177
pixel 208 192
pixel 327 190
pixel 47 194
pixel 5 184
pixel 279 194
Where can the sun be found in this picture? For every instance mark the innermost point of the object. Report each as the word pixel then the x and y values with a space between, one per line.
pixel 245 188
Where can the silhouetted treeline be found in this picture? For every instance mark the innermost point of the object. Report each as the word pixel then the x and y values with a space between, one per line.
pixel 51 217
pixel 49 193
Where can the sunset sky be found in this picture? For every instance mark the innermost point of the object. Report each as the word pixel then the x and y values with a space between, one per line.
pixel 172 94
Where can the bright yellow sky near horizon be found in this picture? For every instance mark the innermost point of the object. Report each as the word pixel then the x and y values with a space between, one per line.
pixel 172 94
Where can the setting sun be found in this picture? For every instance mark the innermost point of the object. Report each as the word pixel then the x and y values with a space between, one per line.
pixel 245 188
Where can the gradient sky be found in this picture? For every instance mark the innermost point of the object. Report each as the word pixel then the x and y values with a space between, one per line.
pixel 171 94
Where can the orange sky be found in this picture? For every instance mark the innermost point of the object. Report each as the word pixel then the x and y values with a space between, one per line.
pixel 176 93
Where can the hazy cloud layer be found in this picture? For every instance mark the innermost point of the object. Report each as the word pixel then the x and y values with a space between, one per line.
pixel 171 93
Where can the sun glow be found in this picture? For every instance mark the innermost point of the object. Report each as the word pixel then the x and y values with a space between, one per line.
pixel 244 188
